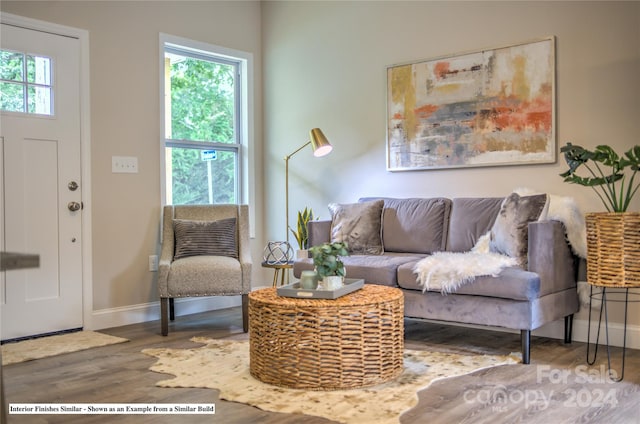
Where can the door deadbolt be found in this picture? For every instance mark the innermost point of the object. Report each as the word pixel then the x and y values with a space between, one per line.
pixel 73 186
pixel 74 206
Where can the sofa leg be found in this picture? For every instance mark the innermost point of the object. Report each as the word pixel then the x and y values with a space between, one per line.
pixel 568 328
pixel 172 311
pixel 164 315
pixel 245 313
pixel 525 338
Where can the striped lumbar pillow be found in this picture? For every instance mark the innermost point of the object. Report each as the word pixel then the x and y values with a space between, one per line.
pixel 211 238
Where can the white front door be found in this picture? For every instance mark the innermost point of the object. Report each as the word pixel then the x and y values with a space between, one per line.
pixel 40 179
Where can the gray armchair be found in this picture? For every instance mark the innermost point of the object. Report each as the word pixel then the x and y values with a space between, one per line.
pixel 205 252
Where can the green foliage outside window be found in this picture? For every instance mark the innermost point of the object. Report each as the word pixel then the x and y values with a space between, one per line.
pixel 16 91
pixel 203 109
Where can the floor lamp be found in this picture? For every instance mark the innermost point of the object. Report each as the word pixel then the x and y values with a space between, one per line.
pixel 320 146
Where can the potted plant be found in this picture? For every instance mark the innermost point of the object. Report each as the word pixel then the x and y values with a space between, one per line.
pixel 326 258
pixel 613 237
pixel 301 234
pixel 607 169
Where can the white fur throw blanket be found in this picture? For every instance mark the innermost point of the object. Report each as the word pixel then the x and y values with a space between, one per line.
pixel 447 271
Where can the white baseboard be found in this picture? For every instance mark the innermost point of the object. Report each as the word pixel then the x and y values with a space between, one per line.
pixel 580 331
pixel 144 312
pixel 134 314
pixel 616 333
pixel 115 317
pixel 555 330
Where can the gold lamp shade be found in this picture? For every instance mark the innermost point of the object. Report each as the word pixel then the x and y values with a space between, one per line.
pixel 319 143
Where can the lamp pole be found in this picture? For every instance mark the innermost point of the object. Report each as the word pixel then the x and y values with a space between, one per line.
pixel 286 190
pixel 321 147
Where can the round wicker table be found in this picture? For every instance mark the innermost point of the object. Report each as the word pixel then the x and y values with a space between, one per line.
pixel 325 344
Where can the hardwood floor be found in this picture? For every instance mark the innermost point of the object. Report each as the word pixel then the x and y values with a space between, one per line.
pixel 557 387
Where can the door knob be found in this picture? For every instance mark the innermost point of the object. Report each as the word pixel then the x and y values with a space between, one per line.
pixel 73 186
pixel 74 206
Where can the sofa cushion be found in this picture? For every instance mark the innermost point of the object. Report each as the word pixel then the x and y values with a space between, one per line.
pixel 512 283
pixel 359 225
pixel 374 269
pixel 470 219
pixel 414 225
pixel 509 233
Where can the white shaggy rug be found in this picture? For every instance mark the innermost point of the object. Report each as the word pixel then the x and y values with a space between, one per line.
pixel 224 365
pixel 28 350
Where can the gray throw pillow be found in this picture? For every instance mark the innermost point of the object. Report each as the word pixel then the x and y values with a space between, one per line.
pixel 205 238
pixel 414 225
pixel 470 219
pixel 359 225
pixel 510 231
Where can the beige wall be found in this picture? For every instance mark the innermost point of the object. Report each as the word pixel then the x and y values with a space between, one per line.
pixel 325 62
pixel 124 48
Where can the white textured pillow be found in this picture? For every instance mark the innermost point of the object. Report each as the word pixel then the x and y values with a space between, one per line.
pixel 359 225
pixel 205 238
pixel 510 231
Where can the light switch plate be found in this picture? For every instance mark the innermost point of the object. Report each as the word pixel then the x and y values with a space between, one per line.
pixel 124 164
pixel 153 263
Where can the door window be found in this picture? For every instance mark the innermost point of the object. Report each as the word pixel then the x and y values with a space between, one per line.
pixel 25 83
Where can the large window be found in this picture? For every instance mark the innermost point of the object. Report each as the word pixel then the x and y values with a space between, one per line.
pixel 204 125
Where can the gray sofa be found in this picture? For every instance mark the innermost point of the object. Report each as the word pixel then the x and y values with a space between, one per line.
pixel 517 298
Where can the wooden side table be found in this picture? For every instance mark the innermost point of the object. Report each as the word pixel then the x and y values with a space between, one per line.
pixel 356 340
pixel 281 272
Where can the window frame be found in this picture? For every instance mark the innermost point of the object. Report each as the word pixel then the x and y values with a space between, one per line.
pixel 243 109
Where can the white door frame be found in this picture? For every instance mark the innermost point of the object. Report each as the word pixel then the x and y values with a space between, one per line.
pixel 85 147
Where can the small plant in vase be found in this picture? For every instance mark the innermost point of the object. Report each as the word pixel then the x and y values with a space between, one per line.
pixel 301 234
pixel 326 258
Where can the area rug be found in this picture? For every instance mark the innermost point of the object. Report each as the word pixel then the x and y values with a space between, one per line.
pixel 224 365
pixel 28 350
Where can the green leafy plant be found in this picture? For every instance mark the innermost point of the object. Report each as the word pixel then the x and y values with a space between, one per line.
pixel 607 173
pixel 326 258
pixel 301 234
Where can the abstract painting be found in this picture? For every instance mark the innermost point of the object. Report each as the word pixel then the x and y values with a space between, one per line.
pixel 486 108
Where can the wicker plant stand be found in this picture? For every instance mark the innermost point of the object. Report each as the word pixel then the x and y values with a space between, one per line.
pixel 613 265
pixel 613 249
pixel 325 344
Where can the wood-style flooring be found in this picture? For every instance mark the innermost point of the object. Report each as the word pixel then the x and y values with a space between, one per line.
pixel 557 387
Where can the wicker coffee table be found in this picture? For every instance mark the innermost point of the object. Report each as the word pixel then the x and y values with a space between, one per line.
pixel 324 344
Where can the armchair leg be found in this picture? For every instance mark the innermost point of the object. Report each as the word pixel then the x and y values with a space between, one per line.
pixel 245 313
pixel 525 338
pixel 172 313
pixel 164 315
pixel 568 328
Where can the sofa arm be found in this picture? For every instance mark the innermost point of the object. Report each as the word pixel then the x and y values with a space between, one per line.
pixel 550 256
pixel 319 232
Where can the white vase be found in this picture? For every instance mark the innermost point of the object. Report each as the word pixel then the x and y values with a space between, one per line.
pixel 302 254
pixel 332 282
